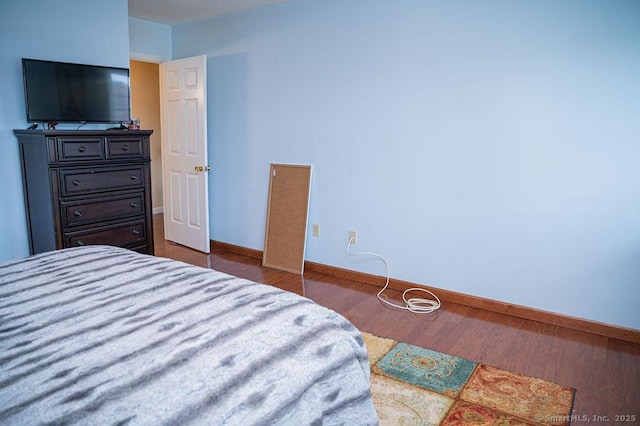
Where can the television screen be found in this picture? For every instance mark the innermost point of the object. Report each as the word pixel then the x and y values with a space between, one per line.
pixel 65 92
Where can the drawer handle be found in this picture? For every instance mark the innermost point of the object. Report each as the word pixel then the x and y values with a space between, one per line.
pixel 125 147
pixel 133 177
pixel 76 182
pixel 77 213
pixel 82 148
pixel 135 232
pixel 134 205
pixel 80 242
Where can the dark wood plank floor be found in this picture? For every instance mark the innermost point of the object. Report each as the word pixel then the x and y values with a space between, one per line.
pixel 605 372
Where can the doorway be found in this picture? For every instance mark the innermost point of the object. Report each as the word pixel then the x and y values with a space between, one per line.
pixel 145 106
pixel 179 188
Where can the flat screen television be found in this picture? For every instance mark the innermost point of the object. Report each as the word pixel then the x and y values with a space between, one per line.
pixel 61 92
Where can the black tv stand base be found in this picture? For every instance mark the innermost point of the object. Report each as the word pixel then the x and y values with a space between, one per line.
pixel 120 127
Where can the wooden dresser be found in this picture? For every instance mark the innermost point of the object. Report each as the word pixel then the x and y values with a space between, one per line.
pixel 85 187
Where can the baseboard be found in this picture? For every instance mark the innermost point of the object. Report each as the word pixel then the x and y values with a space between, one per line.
pixel 255 254
pixel 560 320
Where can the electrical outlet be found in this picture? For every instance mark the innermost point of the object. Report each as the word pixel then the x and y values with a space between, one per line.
pixel 353 237
pixel 316 229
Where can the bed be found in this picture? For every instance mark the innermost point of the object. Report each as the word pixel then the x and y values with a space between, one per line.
pixel 102 335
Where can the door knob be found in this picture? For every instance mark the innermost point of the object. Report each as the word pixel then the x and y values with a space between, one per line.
pixel 202 168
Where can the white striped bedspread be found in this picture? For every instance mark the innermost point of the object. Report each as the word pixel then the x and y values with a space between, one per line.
pixel 101 335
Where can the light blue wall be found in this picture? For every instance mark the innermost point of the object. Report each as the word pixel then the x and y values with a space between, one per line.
pixel 489 148
pixel 85 31
pixel 149 41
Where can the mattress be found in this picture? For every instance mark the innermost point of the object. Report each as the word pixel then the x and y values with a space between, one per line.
pixel 103 335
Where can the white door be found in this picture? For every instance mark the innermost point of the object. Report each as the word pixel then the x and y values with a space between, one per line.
pixel 184 152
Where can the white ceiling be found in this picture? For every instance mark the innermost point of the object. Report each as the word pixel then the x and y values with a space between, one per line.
pixel 173 12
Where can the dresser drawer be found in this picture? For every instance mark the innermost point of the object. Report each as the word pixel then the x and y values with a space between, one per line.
pixel 80 149
pixel 122 235
pixel 125 147
pixel 141 249
pixel 79 181
pixel 75 213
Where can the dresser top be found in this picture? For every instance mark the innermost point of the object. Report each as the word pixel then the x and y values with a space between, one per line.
pixel 71 132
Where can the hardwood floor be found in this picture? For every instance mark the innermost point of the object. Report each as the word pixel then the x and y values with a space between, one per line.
pixel 604 371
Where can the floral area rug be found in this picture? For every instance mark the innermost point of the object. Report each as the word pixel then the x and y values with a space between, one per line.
pixel 411 385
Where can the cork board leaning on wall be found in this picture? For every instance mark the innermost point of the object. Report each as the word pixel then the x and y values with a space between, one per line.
pixel 287 212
